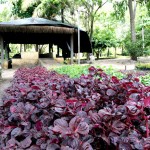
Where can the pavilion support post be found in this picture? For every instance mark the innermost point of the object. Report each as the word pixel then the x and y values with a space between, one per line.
pixel 72 48
pixel 2 51
pixel 50 50
pixel 6 53
pixel 20 48
pixel 6 57
pixel 25 46
pixel 36 48
pixel 57 51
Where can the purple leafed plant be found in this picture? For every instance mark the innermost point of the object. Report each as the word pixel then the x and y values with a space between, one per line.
pixel 44 110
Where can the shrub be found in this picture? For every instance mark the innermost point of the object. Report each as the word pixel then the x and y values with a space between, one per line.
pixel 46 110
pixel 134 49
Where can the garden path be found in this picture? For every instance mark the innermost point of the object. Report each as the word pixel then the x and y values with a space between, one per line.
pixel 5 82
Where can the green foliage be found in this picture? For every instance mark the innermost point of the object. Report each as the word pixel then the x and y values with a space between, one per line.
pixel 16 9
pixel 148 6
pixel 120 8
pixel 5 15
pixel 45 8
pixel 103 38
pixel 75 71
pixel 145 79
pixel 48 8
pixel 143 66
pixel 14 49
pixel 21 12
pixel 125 53
pixel 90 12
pixel 112 72
pixel 147 40
pixel 134 48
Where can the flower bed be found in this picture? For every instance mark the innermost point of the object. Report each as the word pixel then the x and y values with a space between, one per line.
pixel 47 111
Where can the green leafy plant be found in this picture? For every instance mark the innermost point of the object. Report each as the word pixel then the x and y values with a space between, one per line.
pixel 134 49
pixel 145 79
pixel 75 71
pixel 143 66
pixel 113 72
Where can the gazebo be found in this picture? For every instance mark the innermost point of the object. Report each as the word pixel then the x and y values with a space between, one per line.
pixel 42 31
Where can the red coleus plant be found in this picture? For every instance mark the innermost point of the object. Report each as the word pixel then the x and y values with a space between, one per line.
pixel 46 110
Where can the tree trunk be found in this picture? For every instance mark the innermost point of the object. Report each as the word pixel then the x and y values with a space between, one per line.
pixel 122 49
pixel 132 11
pixel 91 28
pixel 20 48
pixel 62 15
pixel 108 52
pixel 134 58
pixel 115 52
pixel 91 23
pixel 101 53
pixel 97 55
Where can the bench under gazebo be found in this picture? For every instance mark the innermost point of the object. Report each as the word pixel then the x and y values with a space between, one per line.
pixel 42 31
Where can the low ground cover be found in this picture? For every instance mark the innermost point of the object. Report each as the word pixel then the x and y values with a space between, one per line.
pixel 75 71
pixel 45 110
pixel 145 79
pixel 143 66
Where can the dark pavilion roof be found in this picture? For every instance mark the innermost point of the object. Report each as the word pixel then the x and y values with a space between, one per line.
pixel 43 31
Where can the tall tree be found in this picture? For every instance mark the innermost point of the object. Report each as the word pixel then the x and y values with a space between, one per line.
pixel 121 6
pixel 90 11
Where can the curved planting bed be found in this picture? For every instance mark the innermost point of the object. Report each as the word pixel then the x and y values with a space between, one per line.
pixel 47 111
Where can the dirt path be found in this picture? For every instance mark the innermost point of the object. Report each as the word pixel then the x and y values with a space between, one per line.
pixel 5 82
pixel 120 64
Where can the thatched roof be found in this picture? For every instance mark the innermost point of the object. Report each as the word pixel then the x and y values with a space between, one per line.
pixel 35 29
pixel 36 25
pixel 37 22
pixel 42 31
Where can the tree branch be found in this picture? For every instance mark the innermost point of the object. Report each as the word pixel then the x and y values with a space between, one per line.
pixel 86 5
pixel 100 7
